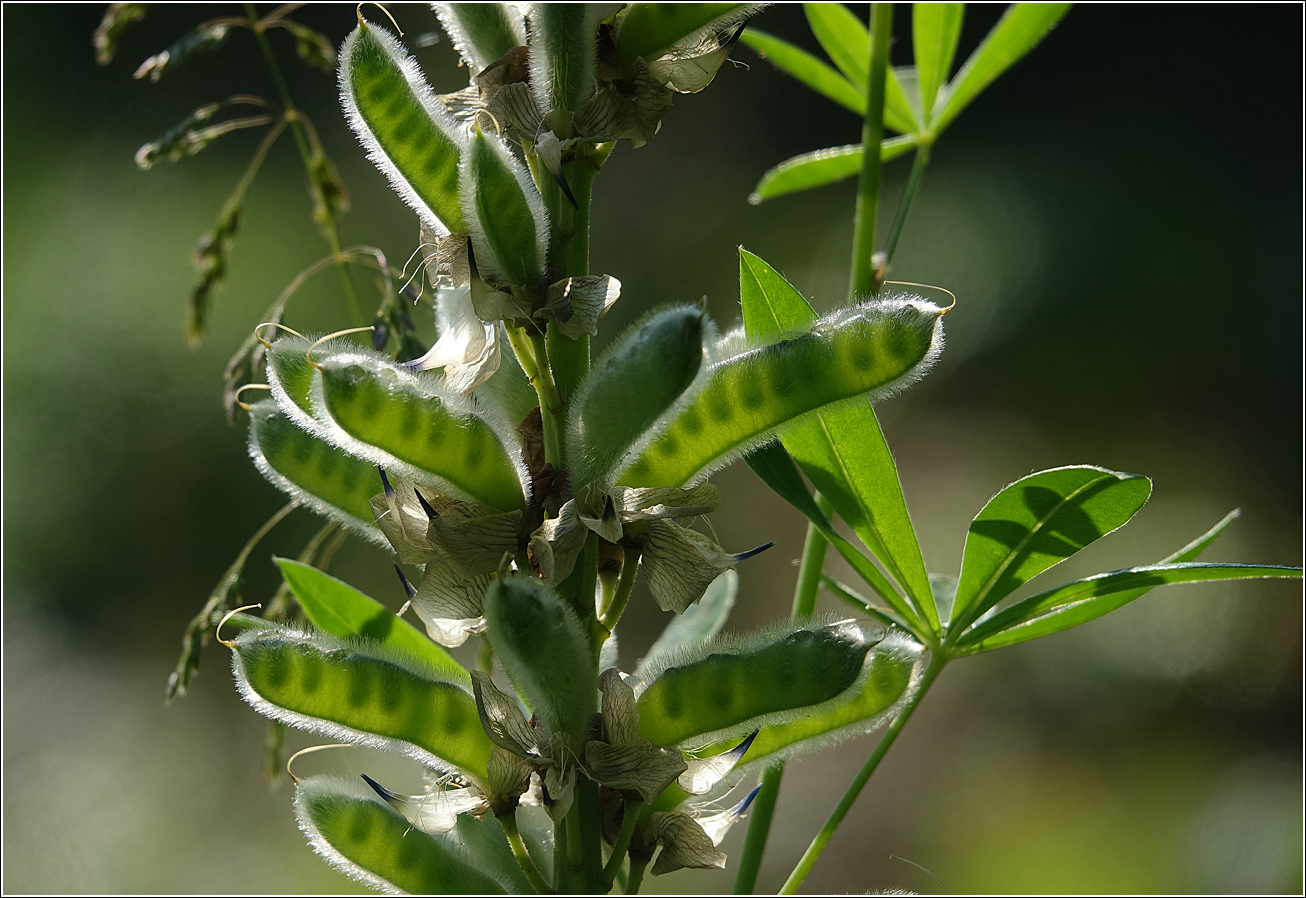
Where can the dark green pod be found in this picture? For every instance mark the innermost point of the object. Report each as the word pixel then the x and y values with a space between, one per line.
pixel 481 32
pixel 545 652
pixel 648 369
pixel 504 213
pixel 354 691
pixel 399 121
pixel 380 405
pixel 374 844
pixel 322 476
pixel 872 349
pixel 728 690
pixel 563 47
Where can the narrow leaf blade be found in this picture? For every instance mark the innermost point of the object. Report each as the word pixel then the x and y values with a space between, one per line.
pixel 822 167
pixel 807 69
pixel 843 37
pixel 1037 522
pixel 936 27
pixel 1019 31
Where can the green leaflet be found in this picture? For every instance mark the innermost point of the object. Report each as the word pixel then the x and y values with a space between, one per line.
pixel 648 29
pixel 504 213
pixel 322 476
pixel 1022 26
pixel 1088 599
pixel 481 32
pixel 335 607
pixel 729 687
pixel 356 691
pixel 936 28
pixel 1035 523
pixel 821 167
pixel 807 69
pixel 631 387
pixel 842 450
pixel 869 349
pixel 843 37
pixel 698 623
pixel 395 418
pixel 890 670
pixel 545 652
pixel 400 123
pixel 368 841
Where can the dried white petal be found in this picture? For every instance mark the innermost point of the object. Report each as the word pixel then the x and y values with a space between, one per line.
pixel 507 772
pixel 447 594
pixel 579 303
pixel 680 564
pixel 684 843
pixel 641 765
pixel 557 543
pixel 717 825
pixel 502 720
pixel 651 503
pixel 558 791
pixel 467 349
pixel 704 773
pixel 435 812
pixel 620 717
pixel 475 545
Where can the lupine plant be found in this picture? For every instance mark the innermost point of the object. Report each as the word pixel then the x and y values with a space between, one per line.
pixel 533 483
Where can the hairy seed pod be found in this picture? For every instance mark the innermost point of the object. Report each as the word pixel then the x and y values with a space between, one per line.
pixel 322 476
pixel 648 29
pixel 290 377
pixel 504 213
pixel 356 691
pixel 563 37
pixel 726 687
pixel 891 671
pixel 545 652
pixel 404 421
pixel 647 370
pixel 481 32
pixel 374 844
pixel 874 349
pixel 401 124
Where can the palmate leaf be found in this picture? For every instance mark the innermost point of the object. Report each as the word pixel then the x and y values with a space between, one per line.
pixel 821 167
pixel 1035 523
pixel 842 450
pixel 335 607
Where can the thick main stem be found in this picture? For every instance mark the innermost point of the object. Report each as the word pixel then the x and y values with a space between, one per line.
pixel 868 184
pixel 809 858
pixel 759 824
pixel 301 141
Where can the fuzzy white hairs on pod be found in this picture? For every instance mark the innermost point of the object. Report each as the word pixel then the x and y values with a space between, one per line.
pixel 338 731
pixel 258 415
pixel 486 264
pixel 347 788
pixel 462 41
pixel 736 349
pixel 413 75
pixel 428 387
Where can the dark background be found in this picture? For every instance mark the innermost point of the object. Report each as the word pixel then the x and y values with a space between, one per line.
pixel 1120 216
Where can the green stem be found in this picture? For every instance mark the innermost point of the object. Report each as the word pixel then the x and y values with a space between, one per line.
pixel 509 823
pixel 637 866
pixel 809 858
pixel 623 842
pixel 625 586
pixel 868 185
pixel 759 823
pixel 551 418
pixel 301 141
pixel 921 159
pixel 575 856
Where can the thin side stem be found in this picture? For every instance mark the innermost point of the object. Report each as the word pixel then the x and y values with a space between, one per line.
pixel 636 877
pixel 550 403
pixel 301 141
pixel 509 824
pixel 921 159
pixel 759 823
pixel 809 858
pixel 868 185
pixel 575 855
pixel 623 842
pixel 625 586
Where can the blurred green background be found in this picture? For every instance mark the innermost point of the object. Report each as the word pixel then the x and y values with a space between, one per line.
pixel 1120 218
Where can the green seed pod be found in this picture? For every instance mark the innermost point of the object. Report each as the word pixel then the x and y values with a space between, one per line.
pixel 871 350
pixel 649 29
pixel 728 687
pixel 356 691
pixel 545 652
pixel 291 378
pixel 371 843
pixel 504 213
pixel 563 47
pixel 648 370
pixel 325 478
pixel 892 668
pixel 482 32
pixel 402 126
pixel 404 421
